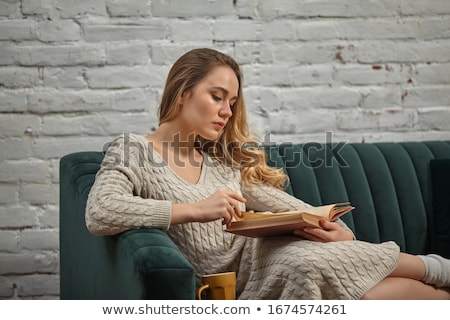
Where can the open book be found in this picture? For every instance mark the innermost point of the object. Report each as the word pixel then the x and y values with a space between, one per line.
pixel 263 224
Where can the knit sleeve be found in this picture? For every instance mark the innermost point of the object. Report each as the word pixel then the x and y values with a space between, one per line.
pixel 115 202
pixel 263 197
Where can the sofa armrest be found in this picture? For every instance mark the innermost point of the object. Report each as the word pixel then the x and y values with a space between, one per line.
pixel 154 259
pixel 137 264
pixel 134 265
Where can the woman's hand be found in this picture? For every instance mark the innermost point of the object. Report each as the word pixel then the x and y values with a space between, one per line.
pixel 222 204
pixel 331 231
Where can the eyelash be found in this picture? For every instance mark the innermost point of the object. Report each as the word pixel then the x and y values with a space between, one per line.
pixel 220 99
pixel 216 98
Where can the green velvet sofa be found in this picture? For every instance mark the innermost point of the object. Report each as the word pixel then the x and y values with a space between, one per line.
pixel 401 192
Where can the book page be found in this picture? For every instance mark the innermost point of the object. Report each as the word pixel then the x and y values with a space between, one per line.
pixel 248 215
pixel 321 212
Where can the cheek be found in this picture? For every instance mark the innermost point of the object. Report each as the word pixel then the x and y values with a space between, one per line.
pixel 203 109
pixel 198 112
pixel 199 108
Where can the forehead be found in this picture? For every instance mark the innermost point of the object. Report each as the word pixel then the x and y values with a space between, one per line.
pixel 222 77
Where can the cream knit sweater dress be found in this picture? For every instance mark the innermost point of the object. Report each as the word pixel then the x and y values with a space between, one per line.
pixel 135 189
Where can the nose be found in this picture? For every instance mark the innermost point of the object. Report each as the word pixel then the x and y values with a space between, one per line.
pixel 225 111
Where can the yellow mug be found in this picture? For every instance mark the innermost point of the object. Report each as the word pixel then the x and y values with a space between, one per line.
pixel 219 286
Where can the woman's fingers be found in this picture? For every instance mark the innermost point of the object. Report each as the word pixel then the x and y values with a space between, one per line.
pixel 223 204
pixel 235 208
pixel 237 196
pixel 233 201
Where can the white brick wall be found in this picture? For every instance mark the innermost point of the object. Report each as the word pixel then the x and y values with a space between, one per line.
pixel 73 74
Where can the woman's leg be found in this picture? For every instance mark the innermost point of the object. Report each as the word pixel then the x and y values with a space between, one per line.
pixel 406 281
pixel 393 288
pixel 430 269
pixel 409 266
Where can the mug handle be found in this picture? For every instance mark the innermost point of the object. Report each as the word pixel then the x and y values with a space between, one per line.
pixel 200 290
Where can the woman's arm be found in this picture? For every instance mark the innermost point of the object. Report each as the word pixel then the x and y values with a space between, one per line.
pixel 112 207
pixel 114 203
pixel 262 197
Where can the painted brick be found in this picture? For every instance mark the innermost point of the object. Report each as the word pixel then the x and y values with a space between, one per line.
pixel 48 55
pixel 100 33
pixel 119 77
pixel 127 8
pixel 15 148
pixel 424 7
pixel 13 77
pixel 37 285
pixel 39 240
pixel 39 193
pixel 67 77
pixel 72 9
pixel 43 8
pixel 305 8
pixel 57 147
pixel 9 8
pixel 13 100
pixel 97 124
pixel 372 74
pixel 7 287
pixel 14 125
pixel 432 96
pixel 137 99
pixel 64 30
pixel 49 216
pixel 8 193
pixel 432 74
pixel 184 9
pixel 127 53
pixel 47 100
pixel 436 118
pixel 27 170
pixel 358 29
pixel 18 30
pixel 8 242
pixel 18 216
pixel 191 30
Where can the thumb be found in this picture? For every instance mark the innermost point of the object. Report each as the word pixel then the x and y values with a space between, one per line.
pixel 326 225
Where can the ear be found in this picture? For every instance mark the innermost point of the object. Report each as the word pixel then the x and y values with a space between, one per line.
pixel 183 97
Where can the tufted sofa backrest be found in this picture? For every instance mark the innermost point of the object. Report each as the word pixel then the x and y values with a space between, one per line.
pixel 390 184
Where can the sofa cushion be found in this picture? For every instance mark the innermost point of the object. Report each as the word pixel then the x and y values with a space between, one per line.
pixel 440 176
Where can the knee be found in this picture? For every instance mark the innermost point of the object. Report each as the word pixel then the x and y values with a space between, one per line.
pixel 369 295
pixel 392 288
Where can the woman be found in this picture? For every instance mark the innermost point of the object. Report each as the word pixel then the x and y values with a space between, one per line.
pixel 199 168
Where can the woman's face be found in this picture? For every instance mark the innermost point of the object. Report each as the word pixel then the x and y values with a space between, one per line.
pixel 207 107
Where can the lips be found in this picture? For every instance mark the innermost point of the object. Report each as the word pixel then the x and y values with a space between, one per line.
pixel 219 124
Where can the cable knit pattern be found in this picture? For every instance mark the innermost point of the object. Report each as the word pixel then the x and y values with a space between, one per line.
pixel 136 189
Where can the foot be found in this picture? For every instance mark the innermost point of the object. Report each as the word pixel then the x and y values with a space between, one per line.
pixel 437 270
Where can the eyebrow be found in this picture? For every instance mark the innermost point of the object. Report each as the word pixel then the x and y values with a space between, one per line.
pixel 225 91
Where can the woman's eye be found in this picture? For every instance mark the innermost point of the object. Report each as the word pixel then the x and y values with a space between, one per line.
pixel 216 98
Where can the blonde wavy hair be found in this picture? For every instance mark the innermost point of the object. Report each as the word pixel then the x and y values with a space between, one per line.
pixel 235 146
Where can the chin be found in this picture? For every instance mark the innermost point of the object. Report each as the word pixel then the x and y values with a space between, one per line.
pixel 210 136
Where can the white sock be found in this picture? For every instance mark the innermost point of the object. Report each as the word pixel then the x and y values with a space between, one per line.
pixel 437 270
